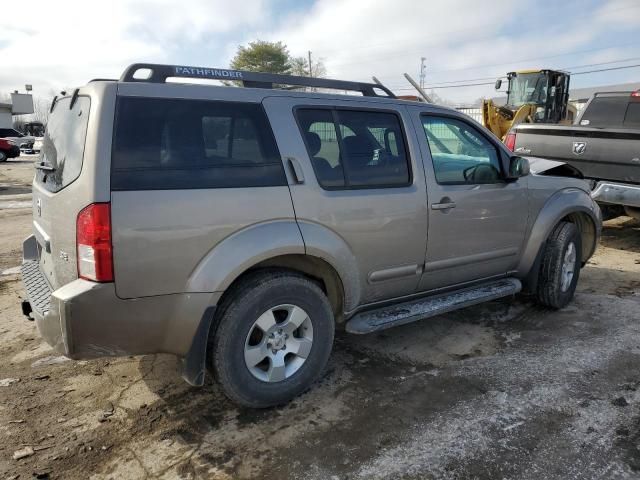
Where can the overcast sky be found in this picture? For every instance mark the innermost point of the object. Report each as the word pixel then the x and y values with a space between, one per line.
pixel 64 43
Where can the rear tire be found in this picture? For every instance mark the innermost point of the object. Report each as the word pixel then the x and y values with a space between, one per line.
pixel 3 157
pixel 273 338
pixel 560 267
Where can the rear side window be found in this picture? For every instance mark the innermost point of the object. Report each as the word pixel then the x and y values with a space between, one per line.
pixel 632 117
pixel 355 148
pixel 63 143
pixel 605 112
pixel 162 144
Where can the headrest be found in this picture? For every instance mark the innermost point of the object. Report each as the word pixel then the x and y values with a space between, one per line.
pixel 314 143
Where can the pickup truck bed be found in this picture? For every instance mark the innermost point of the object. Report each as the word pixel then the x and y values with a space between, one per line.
pixel 604 145
pixel 601 154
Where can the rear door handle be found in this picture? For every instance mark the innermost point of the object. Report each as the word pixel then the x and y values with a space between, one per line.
pixel 42 238
pixel 296 170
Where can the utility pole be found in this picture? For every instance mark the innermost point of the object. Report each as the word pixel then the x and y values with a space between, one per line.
pixel 310 67
pixel 423 72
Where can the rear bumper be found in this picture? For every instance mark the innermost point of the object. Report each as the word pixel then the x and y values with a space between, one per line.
pixel 85 319
pixel 617 194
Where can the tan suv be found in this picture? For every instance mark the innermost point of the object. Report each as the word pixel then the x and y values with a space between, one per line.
pixel 238 227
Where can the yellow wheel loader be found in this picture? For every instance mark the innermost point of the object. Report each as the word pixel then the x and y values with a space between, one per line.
pixel 533 96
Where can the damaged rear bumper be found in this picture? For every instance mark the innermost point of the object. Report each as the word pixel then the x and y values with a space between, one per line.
pixel 617 194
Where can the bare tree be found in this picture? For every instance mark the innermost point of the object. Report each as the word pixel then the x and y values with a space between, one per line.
pixel 300 67
pixel 41 107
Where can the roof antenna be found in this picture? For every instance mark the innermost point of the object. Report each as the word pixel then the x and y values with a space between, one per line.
pixel 415 85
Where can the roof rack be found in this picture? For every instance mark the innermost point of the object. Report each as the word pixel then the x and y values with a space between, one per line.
pixel 155 73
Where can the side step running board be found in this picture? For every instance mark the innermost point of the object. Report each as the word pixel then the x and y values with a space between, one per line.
pixel 402 313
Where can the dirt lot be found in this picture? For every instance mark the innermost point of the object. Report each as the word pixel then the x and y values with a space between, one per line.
pixel 505 390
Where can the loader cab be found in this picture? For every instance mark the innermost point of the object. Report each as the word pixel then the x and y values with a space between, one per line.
pixel 548 90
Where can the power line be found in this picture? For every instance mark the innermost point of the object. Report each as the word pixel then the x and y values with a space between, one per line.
pixel 537 58
pixel 491 83
pixel 528 60
pixel 607 69
pixel 451 82
pixel 450 86
pixel 603 63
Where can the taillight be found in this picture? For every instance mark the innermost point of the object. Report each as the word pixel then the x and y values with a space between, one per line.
pixel 510 141
pixel 93 242
pixel 636 93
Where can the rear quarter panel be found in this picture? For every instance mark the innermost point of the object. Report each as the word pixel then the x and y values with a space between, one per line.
pixel 166 241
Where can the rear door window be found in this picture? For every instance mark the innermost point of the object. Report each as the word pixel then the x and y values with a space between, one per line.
pixel 164 144
pixel 63 143
pixel 355 148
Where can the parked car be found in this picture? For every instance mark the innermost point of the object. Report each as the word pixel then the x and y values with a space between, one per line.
pixel 36 131
pixel 238 227
pixel 24 142
pixel 8 149
pixel 604 145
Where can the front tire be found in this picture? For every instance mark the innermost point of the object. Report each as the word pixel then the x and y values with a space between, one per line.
pixel 273 338
pixel 3 157
pixel 560 267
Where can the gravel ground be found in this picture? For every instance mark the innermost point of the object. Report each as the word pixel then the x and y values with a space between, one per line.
pixel 505 390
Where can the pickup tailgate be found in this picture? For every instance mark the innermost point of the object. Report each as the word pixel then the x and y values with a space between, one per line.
pixel 603 154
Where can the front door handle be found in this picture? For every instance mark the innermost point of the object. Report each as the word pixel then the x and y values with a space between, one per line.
pixel 445 204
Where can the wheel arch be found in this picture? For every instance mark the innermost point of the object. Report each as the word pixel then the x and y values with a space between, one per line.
pixel 588 232
pixel 569 205
pixel 269 247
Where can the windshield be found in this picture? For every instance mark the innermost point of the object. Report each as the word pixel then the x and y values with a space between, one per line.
pixel 527 88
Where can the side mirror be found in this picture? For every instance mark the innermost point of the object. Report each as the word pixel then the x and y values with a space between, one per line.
pixel 518 167
pixel 498 83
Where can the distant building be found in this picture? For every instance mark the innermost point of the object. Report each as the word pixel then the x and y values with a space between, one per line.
pixel 14 104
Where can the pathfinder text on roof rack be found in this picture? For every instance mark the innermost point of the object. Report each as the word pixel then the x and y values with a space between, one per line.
pixel 208 72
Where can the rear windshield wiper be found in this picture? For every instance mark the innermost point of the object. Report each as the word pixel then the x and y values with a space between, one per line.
pixel 45 167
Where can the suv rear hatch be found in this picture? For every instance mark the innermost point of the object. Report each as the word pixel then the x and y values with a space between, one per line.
pixel 57 195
